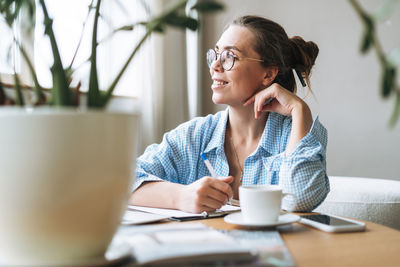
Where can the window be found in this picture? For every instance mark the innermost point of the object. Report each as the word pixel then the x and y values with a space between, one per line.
pixel 10 58
pixel 69 18
pixel 7 49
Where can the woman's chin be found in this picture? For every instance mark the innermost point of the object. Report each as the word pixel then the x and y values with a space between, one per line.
pixel 217 100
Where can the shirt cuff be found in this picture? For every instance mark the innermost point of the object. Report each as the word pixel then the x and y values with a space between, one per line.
pixel 149 178
pixel 319 132
pixel 312 144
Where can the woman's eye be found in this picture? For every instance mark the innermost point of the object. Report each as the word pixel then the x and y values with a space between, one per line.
pixel 231 55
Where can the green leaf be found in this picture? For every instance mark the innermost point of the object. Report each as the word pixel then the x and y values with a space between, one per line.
pixel 181 21
pixel 154 25
pixel 2 94
pixel 366 41
pixel 208 6
pixel 388 80
pixel 125 28
pixel 18 91
pixel 368 36
pixel 396 111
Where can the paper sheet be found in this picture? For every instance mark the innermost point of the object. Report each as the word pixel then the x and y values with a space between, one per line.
pixel 139 217
pixel 181 214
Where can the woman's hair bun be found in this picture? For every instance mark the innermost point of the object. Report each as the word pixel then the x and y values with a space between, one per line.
pixel 304 54
pixel 276 49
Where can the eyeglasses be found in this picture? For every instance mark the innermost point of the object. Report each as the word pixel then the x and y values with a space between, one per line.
pixel 226 58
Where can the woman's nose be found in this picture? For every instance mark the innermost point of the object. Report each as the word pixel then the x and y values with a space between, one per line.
pixel 216 65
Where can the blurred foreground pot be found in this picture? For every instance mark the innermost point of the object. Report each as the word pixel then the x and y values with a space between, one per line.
pixel 65 178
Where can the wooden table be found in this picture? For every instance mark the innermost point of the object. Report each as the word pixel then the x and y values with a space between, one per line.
pixel 377 246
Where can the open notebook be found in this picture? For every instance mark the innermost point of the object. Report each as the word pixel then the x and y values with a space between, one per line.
pixel 184 216
pixel 195 244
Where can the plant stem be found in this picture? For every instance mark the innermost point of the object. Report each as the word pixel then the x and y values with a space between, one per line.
pixel 2 94
pixel 60 93
pixel 94 93
pixel 19 99
pixel 37 88
pixel 383 62
pixel 116 80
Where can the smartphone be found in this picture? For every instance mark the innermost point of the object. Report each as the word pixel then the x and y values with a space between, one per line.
pixel 330 223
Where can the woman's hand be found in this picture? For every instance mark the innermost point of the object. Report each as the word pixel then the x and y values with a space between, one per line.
pixel 205 194
pixel 274 98
pixel 277 99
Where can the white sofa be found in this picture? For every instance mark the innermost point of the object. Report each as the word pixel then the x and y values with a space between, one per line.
pixel 374 200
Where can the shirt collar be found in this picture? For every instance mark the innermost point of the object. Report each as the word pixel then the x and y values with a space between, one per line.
pixel 218 137
pixel 270 140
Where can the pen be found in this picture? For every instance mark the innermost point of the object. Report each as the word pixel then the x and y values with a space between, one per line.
pixel 208 165
pixel 235 202
pixel 211 169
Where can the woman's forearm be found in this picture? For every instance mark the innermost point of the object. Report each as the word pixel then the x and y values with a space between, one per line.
pixel 205 194
pixel 157 195
pixel 301 125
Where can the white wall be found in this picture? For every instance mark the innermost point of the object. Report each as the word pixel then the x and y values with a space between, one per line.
pixel 345 83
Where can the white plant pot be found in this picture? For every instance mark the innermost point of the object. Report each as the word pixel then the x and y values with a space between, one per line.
pixel 65 178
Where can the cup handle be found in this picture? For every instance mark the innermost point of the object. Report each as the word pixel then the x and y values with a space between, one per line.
pixel 295 200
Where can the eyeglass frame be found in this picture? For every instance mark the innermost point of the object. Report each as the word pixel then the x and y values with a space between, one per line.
pixel 234 58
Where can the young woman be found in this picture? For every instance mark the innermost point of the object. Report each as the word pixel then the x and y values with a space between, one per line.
pixel 265 136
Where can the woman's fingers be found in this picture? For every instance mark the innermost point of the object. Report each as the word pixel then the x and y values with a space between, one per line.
pixel 218 195
pixel 212 203
pixel 265 97
pixel 260 99
pixel 209 192
pixel 228 179
pixel 274 98
pixel 222 185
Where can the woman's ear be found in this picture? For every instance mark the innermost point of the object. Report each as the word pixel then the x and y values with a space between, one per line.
pixel 270 75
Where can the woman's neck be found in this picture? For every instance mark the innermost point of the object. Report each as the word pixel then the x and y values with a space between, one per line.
pixel 243 126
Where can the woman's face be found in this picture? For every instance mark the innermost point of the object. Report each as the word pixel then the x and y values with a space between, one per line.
pixel 247 77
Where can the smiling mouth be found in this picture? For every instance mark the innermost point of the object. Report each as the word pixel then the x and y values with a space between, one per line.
pixel 218 83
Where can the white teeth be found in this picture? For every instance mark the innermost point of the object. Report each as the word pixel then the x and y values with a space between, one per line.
pixel 219 82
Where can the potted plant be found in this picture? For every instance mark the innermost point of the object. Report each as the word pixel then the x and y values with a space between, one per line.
pixel 389 62
pixel 65 172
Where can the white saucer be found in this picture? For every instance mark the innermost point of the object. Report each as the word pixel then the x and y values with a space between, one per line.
pixel 237 218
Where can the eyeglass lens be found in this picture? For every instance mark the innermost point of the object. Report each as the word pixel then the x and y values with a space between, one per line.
pixel 227 59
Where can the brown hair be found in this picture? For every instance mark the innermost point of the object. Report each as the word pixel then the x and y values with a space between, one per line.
pixel 277 49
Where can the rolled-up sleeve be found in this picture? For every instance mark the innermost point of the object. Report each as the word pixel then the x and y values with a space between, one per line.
pixel 177 158
pixel 303 172
pixel 158 163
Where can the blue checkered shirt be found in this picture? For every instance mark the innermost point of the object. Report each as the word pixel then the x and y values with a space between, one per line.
pixel 302 173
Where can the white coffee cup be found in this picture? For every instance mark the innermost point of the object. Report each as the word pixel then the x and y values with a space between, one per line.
pixel 261 204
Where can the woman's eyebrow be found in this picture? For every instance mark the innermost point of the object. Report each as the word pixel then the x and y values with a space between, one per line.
pixel 229 47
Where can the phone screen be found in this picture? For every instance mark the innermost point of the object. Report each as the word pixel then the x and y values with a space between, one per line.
pixel 328 220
